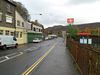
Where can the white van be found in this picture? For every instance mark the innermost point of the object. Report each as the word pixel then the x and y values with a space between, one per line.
pixel 8 41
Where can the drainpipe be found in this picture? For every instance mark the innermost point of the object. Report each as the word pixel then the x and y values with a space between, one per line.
pixel 15 24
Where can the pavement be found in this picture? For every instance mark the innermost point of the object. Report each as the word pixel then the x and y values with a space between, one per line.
pixel 46 58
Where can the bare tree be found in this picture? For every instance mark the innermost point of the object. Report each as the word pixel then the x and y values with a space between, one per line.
pixel 22 10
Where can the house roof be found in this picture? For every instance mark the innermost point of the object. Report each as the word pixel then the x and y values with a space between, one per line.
pixel 37 24
pixel 11 2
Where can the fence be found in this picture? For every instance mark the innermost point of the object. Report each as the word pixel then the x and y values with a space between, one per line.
pixel 87 59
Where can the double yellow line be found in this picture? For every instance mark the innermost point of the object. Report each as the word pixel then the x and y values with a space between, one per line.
pixel 31 68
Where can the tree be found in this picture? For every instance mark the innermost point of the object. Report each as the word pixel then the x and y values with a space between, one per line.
pixel 72 31
pixel 22 10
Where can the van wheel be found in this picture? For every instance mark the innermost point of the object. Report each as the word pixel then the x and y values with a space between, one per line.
pixel 4 47
pixel 16 45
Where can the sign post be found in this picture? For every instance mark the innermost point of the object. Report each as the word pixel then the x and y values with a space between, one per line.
pixel 70 21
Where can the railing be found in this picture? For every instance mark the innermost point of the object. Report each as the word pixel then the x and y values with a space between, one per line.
pixel 87 59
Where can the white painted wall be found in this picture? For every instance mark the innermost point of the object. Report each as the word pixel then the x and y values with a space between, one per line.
pixel 37 27
pixel 19 17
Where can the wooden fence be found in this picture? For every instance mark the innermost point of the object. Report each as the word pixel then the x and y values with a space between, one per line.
pixel 87 59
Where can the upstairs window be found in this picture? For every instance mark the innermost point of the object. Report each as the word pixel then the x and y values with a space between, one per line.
pixel 18 23
pixel 0 16
pixel 34 29
pixel 22 24
pixel 9 19
pixel 39 30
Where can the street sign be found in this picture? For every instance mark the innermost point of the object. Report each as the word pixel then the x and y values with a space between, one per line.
pixel 70 20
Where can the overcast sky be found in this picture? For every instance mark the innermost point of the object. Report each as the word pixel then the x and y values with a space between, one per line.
pixel 56 12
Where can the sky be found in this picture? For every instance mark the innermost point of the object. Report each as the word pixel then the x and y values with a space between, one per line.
pixel 56 12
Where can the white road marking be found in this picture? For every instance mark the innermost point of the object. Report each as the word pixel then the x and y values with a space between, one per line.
pixel 3 60
pixel 30 49
pixel 27 49
pixel 16 55
pixel 8 58
pixel 21 52
pixel 2 57
pixel 11 54
pixel 7 55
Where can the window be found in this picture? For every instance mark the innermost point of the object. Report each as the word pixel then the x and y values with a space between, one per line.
pixel 22 24
pixel 1 32
pixel 20 34
pixel 18 23
pixel 34 29
pixel 9 19
pixel 12 33
pixel 6 32
pixel 39 30
pixel 0 16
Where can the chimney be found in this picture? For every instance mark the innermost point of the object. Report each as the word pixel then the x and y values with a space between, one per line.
pixel 36 21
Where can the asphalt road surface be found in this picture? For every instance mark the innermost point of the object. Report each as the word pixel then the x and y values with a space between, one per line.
pixel 46 58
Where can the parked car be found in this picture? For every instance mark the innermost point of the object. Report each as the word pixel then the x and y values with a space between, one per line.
pixel 36 40
pixel 8 41
pixel 46 38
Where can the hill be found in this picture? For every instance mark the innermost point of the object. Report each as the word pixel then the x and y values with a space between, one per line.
pixel 57 29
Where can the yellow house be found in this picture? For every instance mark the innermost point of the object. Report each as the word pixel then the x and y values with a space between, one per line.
pixel 20 29
pixel 7 31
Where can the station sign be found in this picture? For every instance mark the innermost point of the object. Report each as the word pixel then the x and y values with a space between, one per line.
pixel 70 20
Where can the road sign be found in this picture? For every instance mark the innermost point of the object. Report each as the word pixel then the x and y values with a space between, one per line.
pixel 70 20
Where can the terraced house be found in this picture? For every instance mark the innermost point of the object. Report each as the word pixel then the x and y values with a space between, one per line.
pixel 29 32
pixel 7 17
pixel 36 31
pixel 21 33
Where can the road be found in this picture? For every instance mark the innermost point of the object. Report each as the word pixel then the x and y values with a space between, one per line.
pixel 46 58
